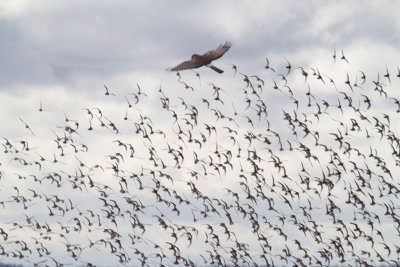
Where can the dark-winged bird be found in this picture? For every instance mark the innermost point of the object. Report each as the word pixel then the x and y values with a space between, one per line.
pixel 198 61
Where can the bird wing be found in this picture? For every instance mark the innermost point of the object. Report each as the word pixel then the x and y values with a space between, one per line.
pixel 189 64
pixel 217 53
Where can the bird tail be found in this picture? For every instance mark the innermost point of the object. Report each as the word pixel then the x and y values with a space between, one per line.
pixel 215 68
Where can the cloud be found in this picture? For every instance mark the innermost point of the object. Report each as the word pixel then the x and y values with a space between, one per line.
pixel 57 43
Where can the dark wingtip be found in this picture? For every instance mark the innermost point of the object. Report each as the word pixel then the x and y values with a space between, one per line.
pixel 228 43
pixel 170 69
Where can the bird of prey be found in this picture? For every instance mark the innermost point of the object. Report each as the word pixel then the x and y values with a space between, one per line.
pixel 198 61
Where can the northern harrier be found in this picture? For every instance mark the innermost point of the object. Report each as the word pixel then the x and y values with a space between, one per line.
pixel 198 61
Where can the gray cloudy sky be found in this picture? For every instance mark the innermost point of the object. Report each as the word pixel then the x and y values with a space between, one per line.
pixel 61 53
pixel 67 43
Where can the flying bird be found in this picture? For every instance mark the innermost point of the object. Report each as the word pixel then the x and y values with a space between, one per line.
pixel 198 61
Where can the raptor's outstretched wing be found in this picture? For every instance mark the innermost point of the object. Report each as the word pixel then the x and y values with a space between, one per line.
pixel 189 64
pixel 217 53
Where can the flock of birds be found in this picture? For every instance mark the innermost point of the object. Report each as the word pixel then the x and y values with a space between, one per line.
pixel 292 166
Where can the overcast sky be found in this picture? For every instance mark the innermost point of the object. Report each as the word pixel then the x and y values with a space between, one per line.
pixel 68 43
pixel 60 54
